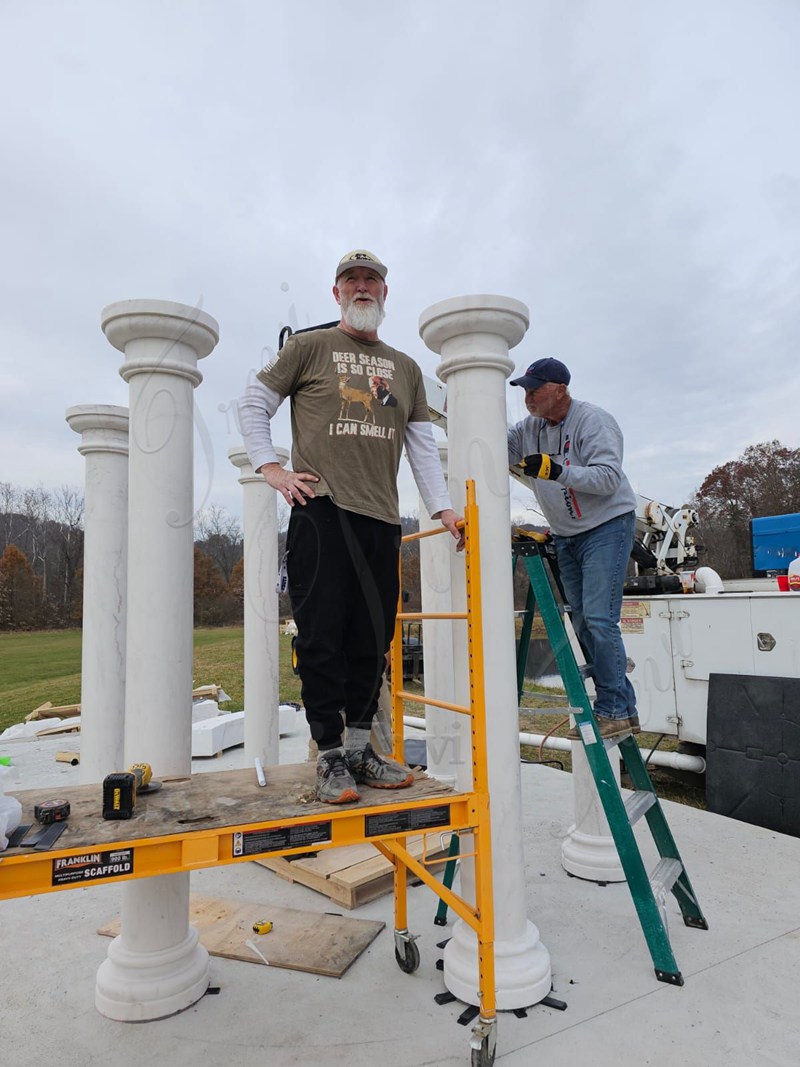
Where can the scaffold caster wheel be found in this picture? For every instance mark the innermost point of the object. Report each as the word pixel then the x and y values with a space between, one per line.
pixel 483 1042
pixel 405 951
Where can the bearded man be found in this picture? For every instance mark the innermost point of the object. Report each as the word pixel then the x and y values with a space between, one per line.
pixel 344 530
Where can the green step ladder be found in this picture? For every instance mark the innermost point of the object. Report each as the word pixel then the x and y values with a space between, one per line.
pixel 649 891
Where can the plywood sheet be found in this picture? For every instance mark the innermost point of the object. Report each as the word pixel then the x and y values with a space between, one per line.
pixel 210 801
pixel 299 940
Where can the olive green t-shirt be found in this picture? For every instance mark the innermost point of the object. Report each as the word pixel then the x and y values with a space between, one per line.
pixel 351 401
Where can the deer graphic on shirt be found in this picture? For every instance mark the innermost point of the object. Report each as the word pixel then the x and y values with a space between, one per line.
pixel 352 394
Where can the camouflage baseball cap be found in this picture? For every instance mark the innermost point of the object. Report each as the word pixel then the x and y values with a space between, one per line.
pixel 360 257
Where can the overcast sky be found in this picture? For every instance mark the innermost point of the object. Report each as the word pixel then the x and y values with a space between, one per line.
pixel 628 169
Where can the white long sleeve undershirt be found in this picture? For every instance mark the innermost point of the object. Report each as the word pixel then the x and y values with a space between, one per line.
pixel 259 403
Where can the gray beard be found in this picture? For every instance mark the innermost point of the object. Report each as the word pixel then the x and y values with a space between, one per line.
pixel 366 318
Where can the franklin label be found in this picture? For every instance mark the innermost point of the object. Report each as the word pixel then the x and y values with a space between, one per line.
pixel 281 838
pixel 398 822
pixel 92 866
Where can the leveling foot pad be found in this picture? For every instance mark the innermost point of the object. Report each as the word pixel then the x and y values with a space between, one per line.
pixel 299 940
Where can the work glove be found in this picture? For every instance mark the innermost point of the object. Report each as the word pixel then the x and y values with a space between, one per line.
pixel 540 465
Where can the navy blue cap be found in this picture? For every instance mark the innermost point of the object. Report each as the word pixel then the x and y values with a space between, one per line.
pixel 543 371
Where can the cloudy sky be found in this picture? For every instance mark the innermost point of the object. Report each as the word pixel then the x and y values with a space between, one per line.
pixel 628 169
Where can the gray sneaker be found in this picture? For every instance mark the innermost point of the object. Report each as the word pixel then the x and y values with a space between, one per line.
pixel 368 768
pixel 335 783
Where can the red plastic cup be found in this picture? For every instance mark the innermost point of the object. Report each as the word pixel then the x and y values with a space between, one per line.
pixel 783 582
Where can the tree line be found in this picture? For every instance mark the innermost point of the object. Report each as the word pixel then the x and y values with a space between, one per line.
pixel 41 542
pixel 763 480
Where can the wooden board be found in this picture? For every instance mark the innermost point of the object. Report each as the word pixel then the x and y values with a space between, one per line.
pixel 350 876
pixel 211 800
pixel 299 940
pixel 48 711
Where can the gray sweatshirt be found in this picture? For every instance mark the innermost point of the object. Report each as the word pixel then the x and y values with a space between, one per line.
pixel 592 487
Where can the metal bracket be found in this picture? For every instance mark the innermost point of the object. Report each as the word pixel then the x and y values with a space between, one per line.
pixel 484 1036
pixel 403 938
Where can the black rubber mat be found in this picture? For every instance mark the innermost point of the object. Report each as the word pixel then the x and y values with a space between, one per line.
pixel 753 750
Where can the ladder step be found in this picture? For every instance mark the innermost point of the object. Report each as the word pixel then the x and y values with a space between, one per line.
pixel 552 709
pixel 665 874
pixel 637 804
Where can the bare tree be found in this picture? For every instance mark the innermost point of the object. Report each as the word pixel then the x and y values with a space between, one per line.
pixel 68 507
pixel 37 507
pixel 9 507
pixel 220 535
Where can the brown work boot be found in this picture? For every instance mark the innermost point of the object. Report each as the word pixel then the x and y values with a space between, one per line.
pixel 608 728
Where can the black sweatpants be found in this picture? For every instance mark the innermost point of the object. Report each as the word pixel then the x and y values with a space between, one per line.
pixel 343 584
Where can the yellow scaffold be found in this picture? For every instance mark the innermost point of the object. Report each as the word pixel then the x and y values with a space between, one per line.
pixel 222 817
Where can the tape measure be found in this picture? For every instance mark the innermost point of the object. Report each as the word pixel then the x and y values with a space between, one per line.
pixel 262 926
pixel 51 811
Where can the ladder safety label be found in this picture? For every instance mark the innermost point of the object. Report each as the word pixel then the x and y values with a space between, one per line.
pixel 252 842
pixel 587 733
pixel 393 822
pixel 92 866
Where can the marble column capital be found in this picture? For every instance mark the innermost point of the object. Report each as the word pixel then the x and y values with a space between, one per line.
pixel 160 337
pixel 474 331
pixel 239 458
pixel 103 427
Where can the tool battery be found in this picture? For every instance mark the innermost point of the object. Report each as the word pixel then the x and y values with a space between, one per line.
pixel 119 795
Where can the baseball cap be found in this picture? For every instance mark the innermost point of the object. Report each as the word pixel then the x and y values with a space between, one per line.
pixel 360 257
pixel 542 371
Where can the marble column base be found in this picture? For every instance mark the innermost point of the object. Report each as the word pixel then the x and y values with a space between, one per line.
pixel 591 856
pixel 139 986
pixel 522 968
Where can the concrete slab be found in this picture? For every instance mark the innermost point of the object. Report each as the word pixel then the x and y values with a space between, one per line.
pixel 738 1006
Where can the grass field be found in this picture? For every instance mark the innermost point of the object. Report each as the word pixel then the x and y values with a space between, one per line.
pixel 36 667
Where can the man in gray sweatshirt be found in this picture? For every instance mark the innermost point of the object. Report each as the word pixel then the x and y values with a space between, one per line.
pixel 574 451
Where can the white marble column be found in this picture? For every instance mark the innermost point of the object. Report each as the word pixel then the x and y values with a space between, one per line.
pixel 446 732
pixel 261 646
pixel 588 851
pixel 104 443
pixel 473 334
pixel 157 967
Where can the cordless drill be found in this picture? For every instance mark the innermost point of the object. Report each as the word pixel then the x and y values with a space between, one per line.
pixel 119 790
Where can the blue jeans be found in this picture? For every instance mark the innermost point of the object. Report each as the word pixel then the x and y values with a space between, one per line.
pixel 592 566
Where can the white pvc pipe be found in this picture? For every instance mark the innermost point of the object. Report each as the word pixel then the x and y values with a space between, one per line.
pixel 679 761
